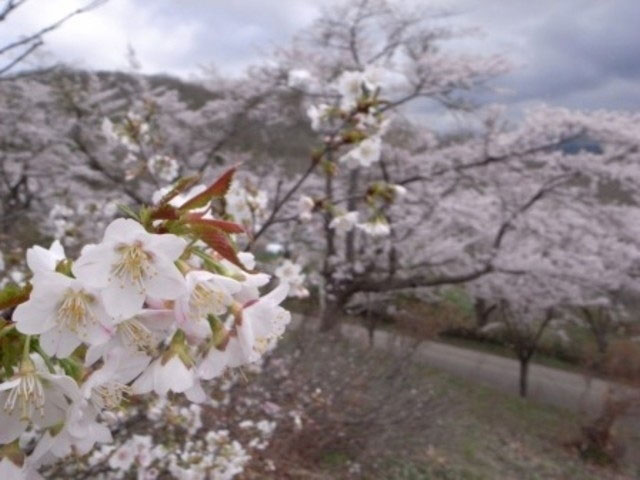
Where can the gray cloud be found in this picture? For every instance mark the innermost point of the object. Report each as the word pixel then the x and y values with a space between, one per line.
pixel 578 53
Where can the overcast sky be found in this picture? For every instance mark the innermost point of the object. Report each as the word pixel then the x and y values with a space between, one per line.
pixel 578 53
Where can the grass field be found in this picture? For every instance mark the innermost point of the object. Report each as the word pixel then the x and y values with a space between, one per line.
pixel 478 434
pixel 490 435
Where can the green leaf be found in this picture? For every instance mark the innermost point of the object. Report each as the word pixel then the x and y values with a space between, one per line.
pixel 10 349
pixel 128 211
pixel 460 299
pixel 13 295
pixel 72 367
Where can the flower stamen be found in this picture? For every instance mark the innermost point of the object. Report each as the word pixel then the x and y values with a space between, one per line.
pixel 110 395
pixel 136 335
pixel 134 266
pixel 74 311
pixel 205 300
pixel 28 394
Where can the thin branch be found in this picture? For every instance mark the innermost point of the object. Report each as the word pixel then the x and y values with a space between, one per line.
pixel 10 6
pixel 34 40
pixel 277 206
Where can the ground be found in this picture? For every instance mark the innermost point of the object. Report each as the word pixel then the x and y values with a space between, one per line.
pixel 472 432
pixel 490 435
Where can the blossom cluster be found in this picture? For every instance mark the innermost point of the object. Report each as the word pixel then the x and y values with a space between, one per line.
pixel 156 437
pixel 360 146
pixel 291 273
pixel 135 134
pixel 162 303
pixel 246 204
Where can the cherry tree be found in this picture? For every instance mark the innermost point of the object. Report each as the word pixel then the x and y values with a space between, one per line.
pixel 577 259
pixel 95 140
pixel 386 205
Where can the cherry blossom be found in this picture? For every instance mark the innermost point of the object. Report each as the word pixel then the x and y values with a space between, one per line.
pixel 131 264
pixel 208 294
pixel 33 395
pixel 26 471
pixel 164 167
pixel 108 386
pixel 350 86
pixel 139 334
pixel 305 208
pixel 345 222
pixel 378 227
pixel 299 79
pixel 318 114
pixel 365 154
pixel 64 313
pixel 291 274
pixel 259 324
pixel 170 373
pixel 45 260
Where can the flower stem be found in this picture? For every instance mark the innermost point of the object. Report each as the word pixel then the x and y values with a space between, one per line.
pixel 26 348
pixel 46 358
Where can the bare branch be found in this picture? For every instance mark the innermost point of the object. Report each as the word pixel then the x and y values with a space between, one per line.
pixel 33 41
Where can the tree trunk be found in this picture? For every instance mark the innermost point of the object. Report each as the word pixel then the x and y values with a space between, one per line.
pixel 601 342
pixel 483 311
pixel 524 375
pixel 350 247
pixel 330 314
pixel 330 317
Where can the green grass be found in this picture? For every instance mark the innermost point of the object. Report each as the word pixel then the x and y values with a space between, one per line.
pixel 473 432
pixel 489 435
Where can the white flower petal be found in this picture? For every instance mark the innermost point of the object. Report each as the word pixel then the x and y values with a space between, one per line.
pixel 168 245
pixel 94 265
pixel 196 394
pixel 34 318
pixel 168 283
pixel 59 343
pixel 123 230
pixel 173 375
pixel 9 470
pixel 247 259
pixel 12 427
pixel 122 302
pixel 213 364
pixel 144 383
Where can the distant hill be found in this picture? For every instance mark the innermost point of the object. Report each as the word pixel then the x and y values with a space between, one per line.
pixel 582 144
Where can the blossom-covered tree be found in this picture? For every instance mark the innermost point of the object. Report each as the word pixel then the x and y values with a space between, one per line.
pixel 400 206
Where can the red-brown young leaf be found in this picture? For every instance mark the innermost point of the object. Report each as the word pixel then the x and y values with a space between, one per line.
pixel 225 226
pixel 220 242
pixel 219 188
pixel 165 212
pixel 180 186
